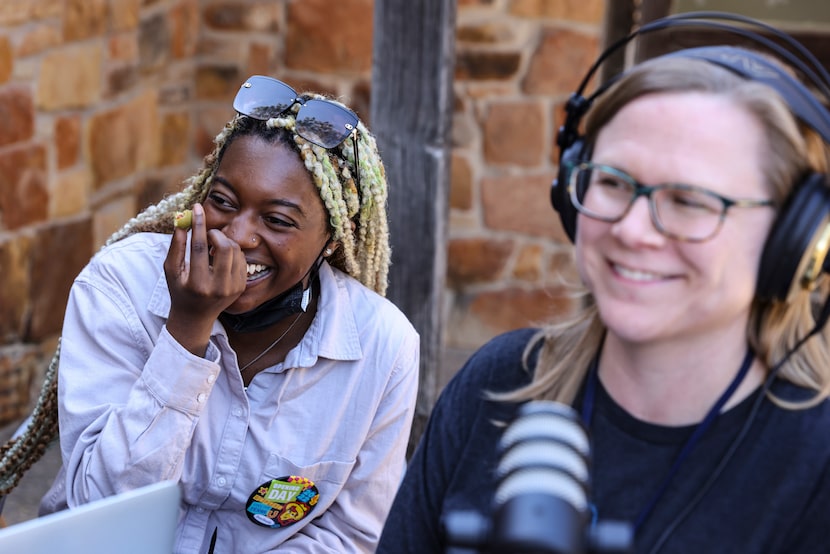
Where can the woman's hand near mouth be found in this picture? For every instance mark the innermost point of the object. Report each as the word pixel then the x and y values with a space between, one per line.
pixel 204 287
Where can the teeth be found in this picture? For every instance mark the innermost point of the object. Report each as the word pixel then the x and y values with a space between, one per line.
pixel 636 275
pixel 253 269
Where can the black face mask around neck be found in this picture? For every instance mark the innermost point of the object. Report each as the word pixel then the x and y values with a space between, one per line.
pixel 293 301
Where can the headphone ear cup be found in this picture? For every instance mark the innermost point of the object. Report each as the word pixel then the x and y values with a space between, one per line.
pixel 559 188
pixel 796 247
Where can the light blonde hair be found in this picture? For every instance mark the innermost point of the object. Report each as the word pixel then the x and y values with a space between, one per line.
pixel 792 150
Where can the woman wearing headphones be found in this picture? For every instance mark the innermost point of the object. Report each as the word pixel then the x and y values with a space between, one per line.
pixel 705 403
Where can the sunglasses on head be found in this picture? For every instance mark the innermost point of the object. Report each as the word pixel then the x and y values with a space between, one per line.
pixel 320 122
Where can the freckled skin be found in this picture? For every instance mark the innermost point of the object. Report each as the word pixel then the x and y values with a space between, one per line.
pixel 697 289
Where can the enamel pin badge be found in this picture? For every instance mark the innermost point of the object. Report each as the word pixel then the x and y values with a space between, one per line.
pixel 282 502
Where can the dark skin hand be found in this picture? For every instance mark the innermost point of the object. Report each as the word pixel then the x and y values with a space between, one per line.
pixel 203 288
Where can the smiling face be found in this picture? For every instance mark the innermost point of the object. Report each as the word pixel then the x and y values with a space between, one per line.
pixel 651 288
pixel 262 197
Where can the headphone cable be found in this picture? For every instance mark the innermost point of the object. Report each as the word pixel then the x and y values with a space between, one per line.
pixel 736 442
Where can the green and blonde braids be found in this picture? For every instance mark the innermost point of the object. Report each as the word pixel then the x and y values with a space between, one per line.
pixel 357 217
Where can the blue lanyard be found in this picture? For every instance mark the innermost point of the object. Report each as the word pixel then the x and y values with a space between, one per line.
pixel 691 442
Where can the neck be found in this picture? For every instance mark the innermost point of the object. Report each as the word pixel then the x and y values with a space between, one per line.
pixel 266 347
pixel 675 384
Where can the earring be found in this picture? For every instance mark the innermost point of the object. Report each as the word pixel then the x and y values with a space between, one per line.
pixel 327 252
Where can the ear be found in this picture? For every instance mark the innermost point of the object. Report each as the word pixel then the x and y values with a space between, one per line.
pixel 331 248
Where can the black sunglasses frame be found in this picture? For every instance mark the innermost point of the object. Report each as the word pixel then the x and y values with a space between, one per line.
pixel 321 122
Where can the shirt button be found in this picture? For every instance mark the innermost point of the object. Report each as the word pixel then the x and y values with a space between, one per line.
pixel 237 412
pixel 211 378
pixel 199 509
pixel 221 481
pixel 201 397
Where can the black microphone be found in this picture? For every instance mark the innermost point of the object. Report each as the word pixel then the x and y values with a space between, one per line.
pixel 541 503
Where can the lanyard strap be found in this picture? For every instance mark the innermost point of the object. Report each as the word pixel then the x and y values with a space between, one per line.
pixel 691 442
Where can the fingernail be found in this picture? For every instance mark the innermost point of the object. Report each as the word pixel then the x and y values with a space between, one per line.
pixel 197 209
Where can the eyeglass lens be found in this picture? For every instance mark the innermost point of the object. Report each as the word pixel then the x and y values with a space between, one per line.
pixel 324 123
pixel 679 211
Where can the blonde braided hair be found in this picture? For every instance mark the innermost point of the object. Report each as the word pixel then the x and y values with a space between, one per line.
pixel 21 452
pixel 357 220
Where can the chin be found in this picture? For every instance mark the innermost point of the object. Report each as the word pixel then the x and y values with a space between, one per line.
pixel 632 325
pixel 242 305
pixel 232 310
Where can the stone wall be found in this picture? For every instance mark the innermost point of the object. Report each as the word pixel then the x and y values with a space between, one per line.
pixel 106 105
pixel 516 64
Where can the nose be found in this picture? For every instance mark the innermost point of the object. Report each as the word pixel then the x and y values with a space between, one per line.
pixel 637 225
pixel 242 230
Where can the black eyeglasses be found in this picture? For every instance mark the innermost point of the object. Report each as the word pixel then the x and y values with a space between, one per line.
pixel 320 122
pixel 679 211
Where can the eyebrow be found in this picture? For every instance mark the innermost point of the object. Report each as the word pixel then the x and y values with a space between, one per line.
pixel 273 201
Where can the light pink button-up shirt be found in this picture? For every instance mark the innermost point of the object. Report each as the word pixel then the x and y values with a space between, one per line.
pixel 137 408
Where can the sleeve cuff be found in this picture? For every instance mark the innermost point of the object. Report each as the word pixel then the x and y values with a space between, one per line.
pixel 178 378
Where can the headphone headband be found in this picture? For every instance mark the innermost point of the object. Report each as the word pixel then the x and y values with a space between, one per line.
pixel 815 71
pixel 754 67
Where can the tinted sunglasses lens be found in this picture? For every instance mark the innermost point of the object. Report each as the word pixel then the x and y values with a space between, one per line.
pixel 324 123
pixel 263 98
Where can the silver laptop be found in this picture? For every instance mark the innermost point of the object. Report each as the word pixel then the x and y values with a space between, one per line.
pixel 141 521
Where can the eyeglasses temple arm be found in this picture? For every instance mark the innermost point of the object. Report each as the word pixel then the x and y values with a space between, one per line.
pixel 356 162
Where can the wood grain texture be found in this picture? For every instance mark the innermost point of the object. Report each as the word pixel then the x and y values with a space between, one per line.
pixel 411 110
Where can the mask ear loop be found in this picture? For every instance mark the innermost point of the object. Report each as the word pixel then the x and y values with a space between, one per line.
pixel 312 272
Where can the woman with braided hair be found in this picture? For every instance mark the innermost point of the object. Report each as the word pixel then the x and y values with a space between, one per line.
pixel 250 357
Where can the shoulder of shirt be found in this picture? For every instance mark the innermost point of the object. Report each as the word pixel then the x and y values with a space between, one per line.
pixel 142 244
pixel 787 391
pixel 808 425
pixel 498 365
pixel 140 249
pixel 369 306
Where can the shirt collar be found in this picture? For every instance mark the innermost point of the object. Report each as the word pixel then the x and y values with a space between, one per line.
pixel 333 333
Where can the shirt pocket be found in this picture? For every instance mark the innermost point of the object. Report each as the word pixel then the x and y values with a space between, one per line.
pixel 329 477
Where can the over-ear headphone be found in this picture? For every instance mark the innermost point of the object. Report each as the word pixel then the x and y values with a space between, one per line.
pixel 795 253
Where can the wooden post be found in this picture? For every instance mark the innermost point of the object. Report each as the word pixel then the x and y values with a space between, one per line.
pixel 650 44
pixel 618 23
pixel 411 111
